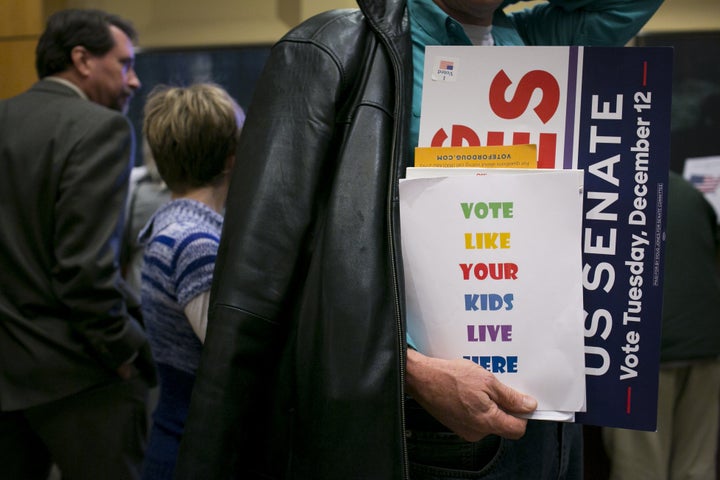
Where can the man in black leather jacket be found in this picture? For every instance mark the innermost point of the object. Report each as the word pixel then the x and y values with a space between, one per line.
pixel 305 369
pixel 71 355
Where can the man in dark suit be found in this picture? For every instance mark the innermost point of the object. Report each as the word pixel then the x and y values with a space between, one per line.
pixel 74 363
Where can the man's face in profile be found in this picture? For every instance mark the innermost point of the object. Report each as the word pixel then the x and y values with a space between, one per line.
pixel 113 80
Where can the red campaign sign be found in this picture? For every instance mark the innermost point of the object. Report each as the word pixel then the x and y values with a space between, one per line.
pixel 519 103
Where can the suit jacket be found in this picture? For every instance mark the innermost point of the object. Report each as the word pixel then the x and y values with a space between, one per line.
pixel 64 324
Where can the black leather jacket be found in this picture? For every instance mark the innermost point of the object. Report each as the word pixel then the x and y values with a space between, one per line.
pixel 302 373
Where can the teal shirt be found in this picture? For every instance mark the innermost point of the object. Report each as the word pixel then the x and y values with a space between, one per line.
pixel 429 25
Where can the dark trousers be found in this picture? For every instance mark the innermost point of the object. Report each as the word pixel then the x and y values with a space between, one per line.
pixel 99 433
pixel 548 450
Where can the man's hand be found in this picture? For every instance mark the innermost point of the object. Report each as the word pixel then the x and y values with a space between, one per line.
pixel 126 371
pixel 466 398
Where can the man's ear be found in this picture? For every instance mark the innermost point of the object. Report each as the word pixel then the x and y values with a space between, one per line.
pixel 81 59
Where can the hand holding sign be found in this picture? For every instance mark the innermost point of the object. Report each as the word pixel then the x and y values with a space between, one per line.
pixel 466 398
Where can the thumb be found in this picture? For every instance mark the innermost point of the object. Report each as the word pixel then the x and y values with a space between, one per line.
pixel 513 401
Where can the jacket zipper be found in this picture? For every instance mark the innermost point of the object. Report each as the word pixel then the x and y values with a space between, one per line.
pixel 393 253
pixel 397 70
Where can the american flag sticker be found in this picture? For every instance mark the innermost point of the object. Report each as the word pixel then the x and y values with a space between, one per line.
pixel 705 183
pixel 446 69
pixel 446 65
pixel 704 174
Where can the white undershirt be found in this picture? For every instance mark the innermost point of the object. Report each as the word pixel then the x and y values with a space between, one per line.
pixel 196 312
pixel 479 34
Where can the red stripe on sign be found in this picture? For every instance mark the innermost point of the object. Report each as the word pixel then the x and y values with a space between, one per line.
pixel 644 73
pixel 629 400
pixel 521 138
pixel 546 150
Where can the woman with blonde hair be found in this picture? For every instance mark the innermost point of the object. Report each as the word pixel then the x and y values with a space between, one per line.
pixel 192 132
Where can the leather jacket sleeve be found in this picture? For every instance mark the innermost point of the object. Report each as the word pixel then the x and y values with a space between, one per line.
pixel 91 197
pixel 275 193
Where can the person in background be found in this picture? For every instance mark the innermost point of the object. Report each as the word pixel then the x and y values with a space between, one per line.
pixel 75 366
pixel 193 134
pixel 305 372
pixel 148 192
pixel 686 442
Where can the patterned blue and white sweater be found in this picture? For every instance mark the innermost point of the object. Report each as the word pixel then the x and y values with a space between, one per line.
pixel 181 242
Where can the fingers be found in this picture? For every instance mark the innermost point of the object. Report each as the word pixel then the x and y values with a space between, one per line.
pixel 125 371
pixel 510 400
pixel 495 422
pixel 508 426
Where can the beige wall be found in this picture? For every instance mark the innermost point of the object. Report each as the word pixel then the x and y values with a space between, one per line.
pixel 21 22
pixel 170 23
pixel 682 15
pixel 165 23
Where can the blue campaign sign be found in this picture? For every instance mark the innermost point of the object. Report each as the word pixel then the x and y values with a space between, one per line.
pixel 623 146
pixel 605 110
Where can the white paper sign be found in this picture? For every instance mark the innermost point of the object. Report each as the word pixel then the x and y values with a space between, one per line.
pixel 493 274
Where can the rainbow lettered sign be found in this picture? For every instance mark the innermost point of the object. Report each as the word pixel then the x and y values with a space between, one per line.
pixel 493 274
